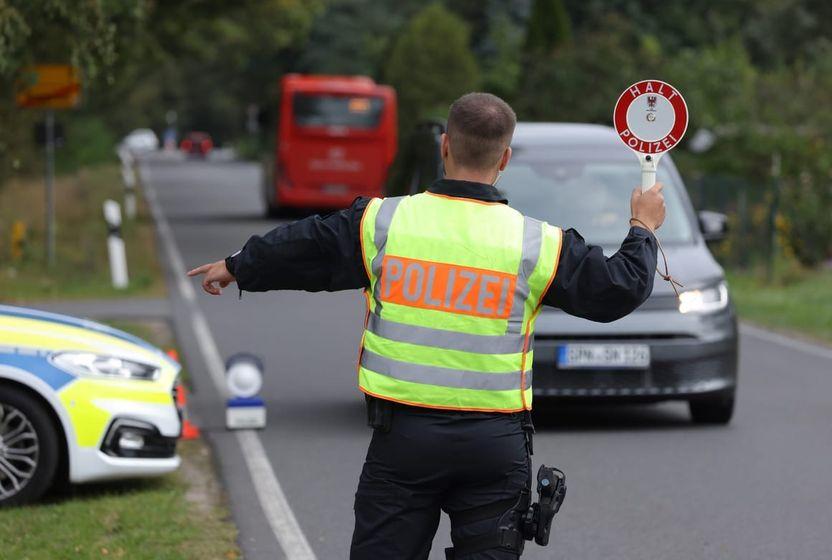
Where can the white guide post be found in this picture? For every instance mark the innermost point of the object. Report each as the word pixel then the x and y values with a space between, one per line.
pixel 115 245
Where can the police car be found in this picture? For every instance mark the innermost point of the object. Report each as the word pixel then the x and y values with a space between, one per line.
pixel 80 401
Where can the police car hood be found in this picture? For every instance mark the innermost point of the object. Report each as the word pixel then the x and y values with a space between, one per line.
pixel 40 331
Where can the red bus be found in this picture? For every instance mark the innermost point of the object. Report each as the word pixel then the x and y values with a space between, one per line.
pixel 336 138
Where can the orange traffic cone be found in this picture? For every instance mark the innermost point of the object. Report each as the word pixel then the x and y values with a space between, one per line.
pixel 189 429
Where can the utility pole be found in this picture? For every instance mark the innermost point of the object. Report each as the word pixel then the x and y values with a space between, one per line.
pixel 49 87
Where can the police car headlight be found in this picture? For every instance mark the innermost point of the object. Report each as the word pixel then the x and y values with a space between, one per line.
pixel 706 300
pixel 98 365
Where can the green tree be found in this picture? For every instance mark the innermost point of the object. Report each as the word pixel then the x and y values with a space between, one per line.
pixel 721 87
pixel 502 68
pixel 431 64
pixel 85 34
pixel 581 81
pixel 206 59
pixel 354 36
pixel 549 26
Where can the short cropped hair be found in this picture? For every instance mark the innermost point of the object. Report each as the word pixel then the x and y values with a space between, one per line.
pixel 480 127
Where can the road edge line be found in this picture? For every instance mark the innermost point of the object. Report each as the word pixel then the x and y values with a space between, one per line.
pixel 270 493
pixel 787 341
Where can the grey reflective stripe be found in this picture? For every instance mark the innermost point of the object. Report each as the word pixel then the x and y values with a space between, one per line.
pixel 448 340
pixel 532 242
pixel 442 377
pixel 384 217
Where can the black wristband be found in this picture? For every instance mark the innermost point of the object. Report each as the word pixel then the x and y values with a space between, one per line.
pixel 231 264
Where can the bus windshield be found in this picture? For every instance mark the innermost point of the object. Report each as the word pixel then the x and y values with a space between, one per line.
pixel 323 110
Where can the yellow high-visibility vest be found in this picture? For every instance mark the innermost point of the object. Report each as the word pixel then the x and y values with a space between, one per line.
pixel 455 287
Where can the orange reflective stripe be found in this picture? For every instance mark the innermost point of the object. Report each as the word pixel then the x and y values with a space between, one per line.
pixel 463 199
pixel 363 245
pixel 447 287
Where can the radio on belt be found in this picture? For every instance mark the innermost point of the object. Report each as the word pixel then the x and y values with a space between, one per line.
pixel 244 378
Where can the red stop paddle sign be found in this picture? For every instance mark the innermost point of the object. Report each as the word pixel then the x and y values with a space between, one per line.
pixel 650 117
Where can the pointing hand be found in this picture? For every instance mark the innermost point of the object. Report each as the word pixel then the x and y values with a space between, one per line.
pixel 216 278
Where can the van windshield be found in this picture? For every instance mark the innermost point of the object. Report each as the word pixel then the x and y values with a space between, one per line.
pixel 591 195
pixel 356 112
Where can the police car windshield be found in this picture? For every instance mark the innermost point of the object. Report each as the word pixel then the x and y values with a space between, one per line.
pixel 590 195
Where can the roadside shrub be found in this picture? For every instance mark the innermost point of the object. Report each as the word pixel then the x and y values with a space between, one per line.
pixel 89 141
pixel 807 210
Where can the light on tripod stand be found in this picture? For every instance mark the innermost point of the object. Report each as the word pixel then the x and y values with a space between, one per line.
pixel 244 378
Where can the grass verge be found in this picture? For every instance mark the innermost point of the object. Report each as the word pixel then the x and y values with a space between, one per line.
pixel 179 516
pixel 81 267
pixel 801 305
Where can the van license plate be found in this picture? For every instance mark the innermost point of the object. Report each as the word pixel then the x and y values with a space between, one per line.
pixel 608 356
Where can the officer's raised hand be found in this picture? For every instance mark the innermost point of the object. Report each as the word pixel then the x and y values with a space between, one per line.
pixel 648 207
pixel 216 278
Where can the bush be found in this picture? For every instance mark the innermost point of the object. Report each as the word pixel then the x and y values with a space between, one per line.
pixel 88 141
pixel 579 82
pixel 431 65
pixel 807 207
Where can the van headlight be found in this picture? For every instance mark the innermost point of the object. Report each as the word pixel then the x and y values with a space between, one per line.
pixel 705 300
pixel 99 365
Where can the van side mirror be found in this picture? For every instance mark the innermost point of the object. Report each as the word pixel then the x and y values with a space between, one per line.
pixel 713 225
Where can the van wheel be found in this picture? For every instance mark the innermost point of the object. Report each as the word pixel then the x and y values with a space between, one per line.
pixel 715 409
pixel 29 451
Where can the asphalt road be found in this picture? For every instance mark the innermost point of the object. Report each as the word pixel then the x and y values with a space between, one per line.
pixel 643 482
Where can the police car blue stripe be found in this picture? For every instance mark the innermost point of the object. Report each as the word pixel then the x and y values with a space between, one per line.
pixel 39 366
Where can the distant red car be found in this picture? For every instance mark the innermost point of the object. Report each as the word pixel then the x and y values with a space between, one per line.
pixel 197 144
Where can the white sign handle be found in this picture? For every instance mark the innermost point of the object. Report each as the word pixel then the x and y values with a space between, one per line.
pixel 649 162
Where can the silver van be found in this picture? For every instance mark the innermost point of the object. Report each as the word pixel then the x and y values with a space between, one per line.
pixel 685 348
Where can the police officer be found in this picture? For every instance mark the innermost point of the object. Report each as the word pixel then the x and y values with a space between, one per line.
pixel 454 279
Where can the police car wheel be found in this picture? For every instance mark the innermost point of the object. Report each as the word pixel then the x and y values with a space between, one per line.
pixel 29 452
pixel 717 409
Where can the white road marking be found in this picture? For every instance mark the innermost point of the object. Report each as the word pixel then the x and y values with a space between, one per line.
pixel 272 499
pixel 186 289
pixel 793 343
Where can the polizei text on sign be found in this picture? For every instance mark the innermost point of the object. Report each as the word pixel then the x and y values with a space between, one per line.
pixel 650 117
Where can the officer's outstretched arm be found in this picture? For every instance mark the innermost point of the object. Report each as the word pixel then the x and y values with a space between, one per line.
pixel 314 254
pixel 589 285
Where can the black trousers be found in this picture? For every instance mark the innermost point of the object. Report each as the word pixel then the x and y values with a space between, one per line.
pixel 432 461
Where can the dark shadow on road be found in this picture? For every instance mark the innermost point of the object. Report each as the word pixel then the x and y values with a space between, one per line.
pixel 609 417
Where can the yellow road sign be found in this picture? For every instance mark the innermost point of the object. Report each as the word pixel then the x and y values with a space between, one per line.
pixel 49 86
